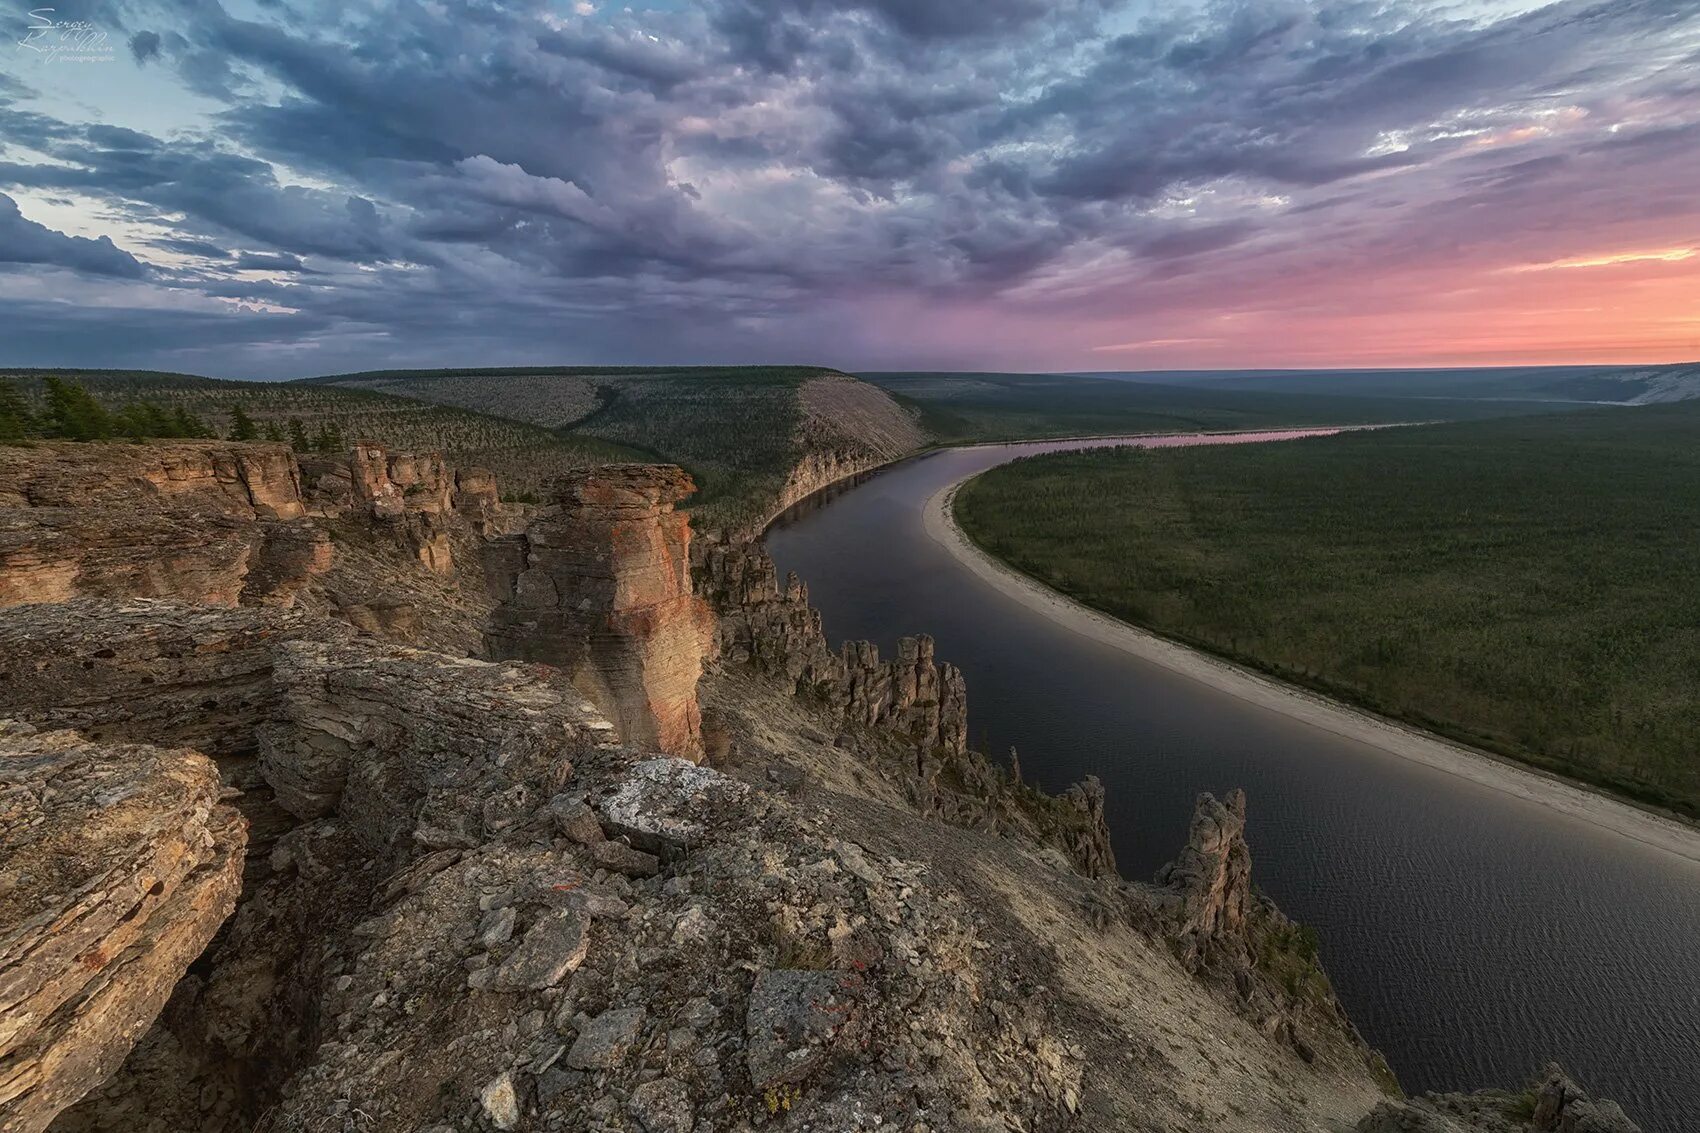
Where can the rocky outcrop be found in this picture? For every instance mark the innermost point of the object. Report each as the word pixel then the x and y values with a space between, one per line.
pixel 53 554
pixel 912 695
pixel 1209 884
pixel 164 673
pixel 1553 1103
pixel 912 699
pixel 776 629
pixel 419 498
pixel 600 586
pixel 248 481
pixel 215 522
pixel 120 865
pixel 389 740
pixel 199 521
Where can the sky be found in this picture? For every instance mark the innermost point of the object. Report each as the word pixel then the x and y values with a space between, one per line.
pixel 276 188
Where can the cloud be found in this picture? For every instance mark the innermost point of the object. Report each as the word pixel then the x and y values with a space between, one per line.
pixel 268 261
pixel 755 178
pixel 144 45
pixel 23 241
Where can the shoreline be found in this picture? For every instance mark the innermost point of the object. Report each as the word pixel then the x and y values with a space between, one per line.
pixel 1403 741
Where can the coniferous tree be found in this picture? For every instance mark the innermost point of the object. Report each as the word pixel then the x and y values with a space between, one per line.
pixel 298 436
pixel 132 421
pixel 73 413
pixel 16 420
pixel 329 438
pixel 271 432
pixel 242 427
pixel 189 424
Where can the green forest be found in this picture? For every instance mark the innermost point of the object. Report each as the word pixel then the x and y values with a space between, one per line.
pixel 1527 585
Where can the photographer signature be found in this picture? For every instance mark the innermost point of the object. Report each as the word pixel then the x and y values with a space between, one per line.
pixel 70 41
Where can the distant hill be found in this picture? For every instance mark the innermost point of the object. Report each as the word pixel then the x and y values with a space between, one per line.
pixel 1614 385
pixel 755 437
pixel 965 407
pixel 523 456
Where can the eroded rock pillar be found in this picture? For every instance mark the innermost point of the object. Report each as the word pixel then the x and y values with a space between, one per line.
pixel 600 585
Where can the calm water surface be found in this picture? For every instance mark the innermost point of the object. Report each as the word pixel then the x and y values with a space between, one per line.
pixel 1472 936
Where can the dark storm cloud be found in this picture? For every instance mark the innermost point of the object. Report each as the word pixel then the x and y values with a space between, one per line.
pixel 22 241
pixel 193 248
pixel 692 179
pixel 26 242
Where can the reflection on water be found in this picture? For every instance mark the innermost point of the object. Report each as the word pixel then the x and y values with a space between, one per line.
pixel 1472 936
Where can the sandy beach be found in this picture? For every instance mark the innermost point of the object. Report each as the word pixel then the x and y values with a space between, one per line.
pixel 1400 740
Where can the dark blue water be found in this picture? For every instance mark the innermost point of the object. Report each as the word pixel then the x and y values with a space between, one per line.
pixel 1472 936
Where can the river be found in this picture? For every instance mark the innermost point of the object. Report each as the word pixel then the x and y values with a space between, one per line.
pixel 1472 935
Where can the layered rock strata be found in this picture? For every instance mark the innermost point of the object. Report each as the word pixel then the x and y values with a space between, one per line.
pixel 371 537
pixel 213 522
pixel 600 586
pixel 160 672
pixel 120 864
pixel 396 762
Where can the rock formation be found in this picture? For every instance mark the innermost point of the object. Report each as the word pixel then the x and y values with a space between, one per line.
pixel 250 481
pixel 1553 1103
pixel 600 586
pixel 1210 882
pixel 120 864
pixel 159 672
pixel 911 698
pixel 776 629
pixel 200 521
pixel 371 537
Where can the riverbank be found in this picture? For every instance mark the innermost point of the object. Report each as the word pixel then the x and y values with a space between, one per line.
pixel 1577 801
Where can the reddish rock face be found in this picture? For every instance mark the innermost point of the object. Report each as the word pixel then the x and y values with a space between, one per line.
pixel 248 481
pixel 393 484
pixel 600 586
pixel 201 521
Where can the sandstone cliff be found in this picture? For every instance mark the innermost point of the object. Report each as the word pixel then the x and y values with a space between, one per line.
pixel 371 537
pixel 600 586
pixel 120 864
pixel 846 427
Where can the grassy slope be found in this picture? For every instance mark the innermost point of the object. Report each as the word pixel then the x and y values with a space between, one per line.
pixel 967 407
pixel 737 429
pixel 1529 585
pixel 523 456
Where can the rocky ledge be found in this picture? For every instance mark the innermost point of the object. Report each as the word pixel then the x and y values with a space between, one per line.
pixel 120 865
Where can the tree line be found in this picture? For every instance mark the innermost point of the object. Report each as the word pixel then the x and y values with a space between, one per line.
pixel 70 412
